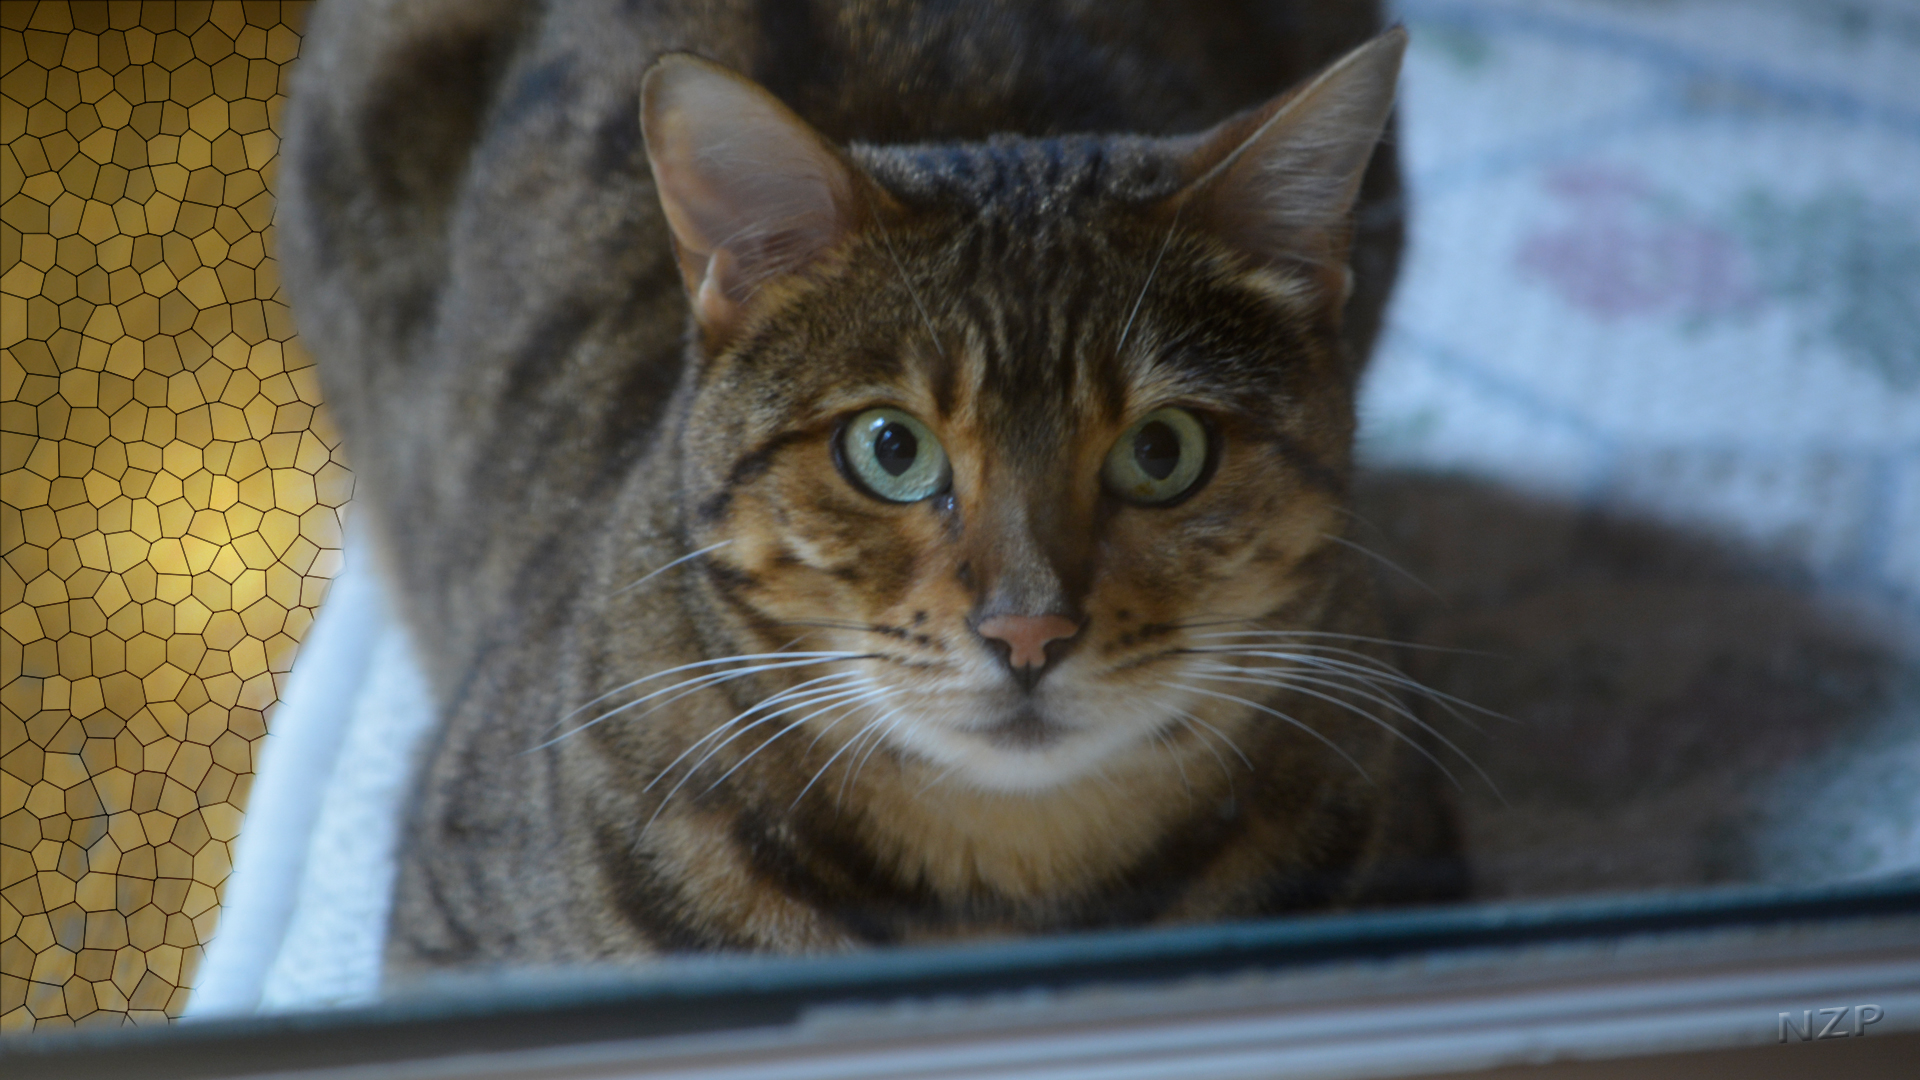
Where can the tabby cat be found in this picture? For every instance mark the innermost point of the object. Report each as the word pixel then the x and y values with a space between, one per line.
pixel 839 500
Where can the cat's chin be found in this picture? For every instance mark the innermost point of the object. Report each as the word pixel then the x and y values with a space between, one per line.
pixel 1024 752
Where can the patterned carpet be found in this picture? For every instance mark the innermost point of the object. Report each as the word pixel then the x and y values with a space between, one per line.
pixel 1648 418
pixel 1666 259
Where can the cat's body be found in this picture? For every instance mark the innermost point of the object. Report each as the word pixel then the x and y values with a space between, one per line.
pixel 477 248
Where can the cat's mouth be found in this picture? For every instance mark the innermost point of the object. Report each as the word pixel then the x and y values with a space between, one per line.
pixel 1019 742
pixel 1025 729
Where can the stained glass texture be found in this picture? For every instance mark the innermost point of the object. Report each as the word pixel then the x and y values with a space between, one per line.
pixel 173 492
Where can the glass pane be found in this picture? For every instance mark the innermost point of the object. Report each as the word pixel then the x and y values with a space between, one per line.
pixel 1640 476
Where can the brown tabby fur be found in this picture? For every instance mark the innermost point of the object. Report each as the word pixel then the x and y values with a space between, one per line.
pixel 477 251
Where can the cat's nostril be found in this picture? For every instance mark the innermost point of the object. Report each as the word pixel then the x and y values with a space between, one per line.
pixel 1027 636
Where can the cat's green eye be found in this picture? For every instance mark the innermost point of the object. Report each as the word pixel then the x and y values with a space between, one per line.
pixel 894 456
pixel 1158 459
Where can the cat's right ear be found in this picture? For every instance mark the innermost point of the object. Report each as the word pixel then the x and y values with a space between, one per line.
pixel 1280 181
pixel 751 192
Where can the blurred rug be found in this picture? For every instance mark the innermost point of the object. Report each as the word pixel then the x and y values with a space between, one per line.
pixel 1645 426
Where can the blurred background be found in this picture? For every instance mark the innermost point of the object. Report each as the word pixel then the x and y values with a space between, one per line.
pixel 1666 254
pixel 1664 269
pixel 1645 426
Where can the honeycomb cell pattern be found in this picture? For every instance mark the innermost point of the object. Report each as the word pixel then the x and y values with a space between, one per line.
pixel 172 497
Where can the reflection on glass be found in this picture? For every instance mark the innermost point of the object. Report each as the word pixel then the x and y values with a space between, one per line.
pixel 1641 431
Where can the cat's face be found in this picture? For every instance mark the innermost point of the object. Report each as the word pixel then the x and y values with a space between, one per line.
pixel 1021 432
pixel 886 483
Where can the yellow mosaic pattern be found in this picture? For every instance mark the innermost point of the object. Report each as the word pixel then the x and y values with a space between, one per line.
pixel 171 503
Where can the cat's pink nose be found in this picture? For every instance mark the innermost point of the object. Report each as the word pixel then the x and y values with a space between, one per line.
pixel 1027 636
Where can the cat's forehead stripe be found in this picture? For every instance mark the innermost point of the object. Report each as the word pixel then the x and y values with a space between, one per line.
pixel 1028 180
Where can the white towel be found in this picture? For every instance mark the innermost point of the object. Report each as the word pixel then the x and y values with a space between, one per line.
pixel 305 914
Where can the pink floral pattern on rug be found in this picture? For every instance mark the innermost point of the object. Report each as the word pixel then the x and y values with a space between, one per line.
pixel 1629 251
pixel 1624 248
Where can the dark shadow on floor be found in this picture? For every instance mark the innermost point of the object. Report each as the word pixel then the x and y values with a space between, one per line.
pixel 1683 711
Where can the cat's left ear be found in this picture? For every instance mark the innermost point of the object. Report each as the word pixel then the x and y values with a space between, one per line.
pixel 751 192
pixel 1279 182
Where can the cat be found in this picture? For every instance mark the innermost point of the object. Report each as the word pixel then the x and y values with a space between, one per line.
pixel 866 472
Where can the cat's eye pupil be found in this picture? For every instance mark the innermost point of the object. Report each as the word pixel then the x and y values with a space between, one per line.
pixel 1157 449
pixel 895 448
pixel 892 456
pixel 1159 459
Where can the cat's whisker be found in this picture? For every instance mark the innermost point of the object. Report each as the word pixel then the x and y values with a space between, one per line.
pixel 835 654
pixel 889 721
pixel 1372 669
pixel 1386 562
pixel 887 238
pixel 1303 649
pixel 874 737
pixel 796 697
pixel 1340 675
pixel 836 677
pixel 939 776
pixel 780 653
pixel 846 710
pixel 1329 656
pixel 1389 681
pixel 694 769
pixel 877 695
pixel 1293 686
pixel 1356 515
pixel 1299 650
pixel 879 740
pixel 777 653
pixel 1101 774
pixel 1269 710
pixel 786 661
pixel 834 624
pixel 792 694
pixel 818 773
pixel 1201 622
pixel 1293 678
pixel 1223 737
pixel 678 691
pixel 1201 729
pixel 709 549
pixel 1152 272
pixel 822 733
pixel 1331 634
pixel 858 694
pixel 1192 723
pixel 1161 740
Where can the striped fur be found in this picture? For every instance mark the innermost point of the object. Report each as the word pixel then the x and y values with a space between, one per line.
pixel 588 509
